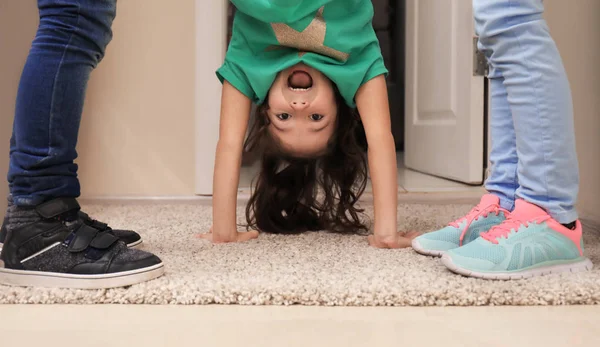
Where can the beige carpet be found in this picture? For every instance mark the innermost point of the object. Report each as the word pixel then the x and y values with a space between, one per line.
pixel 310 269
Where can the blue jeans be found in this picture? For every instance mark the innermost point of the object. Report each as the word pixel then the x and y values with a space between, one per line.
pixel 70 42
pixel 533 142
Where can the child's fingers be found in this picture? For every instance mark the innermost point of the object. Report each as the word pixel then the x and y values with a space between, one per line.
pixel 378 243
pixel 373 241
pixel 247 236
pixel 404 242
pixel 399 242
pixel 411 234
pixel 205 236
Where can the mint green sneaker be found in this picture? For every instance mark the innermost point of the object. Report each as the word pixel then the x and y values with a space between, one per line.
pixel 480 219
pixel 529 243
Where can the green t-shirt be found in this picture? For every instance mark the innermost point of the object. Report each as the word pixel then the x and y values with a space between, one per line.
pixel 335 37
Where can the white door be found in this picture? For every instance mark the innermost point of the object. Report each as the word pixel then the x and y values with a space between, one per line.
pixel 444 98
pixel 211 45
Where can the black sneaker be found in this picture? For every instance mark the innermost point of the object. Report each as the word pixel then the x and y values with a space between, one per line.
pixel 130 237
pixel 55 253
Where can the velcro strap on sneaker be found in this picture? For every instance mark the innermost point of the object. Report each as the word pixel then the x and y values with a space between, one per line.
pixel 99 225
pixel 93 223
pixel 56 207
pixel 104 240
pixel 83 238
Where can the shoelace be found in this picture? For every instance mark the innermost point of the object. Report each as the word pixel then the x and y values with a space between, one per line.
pixel 511 223
pixel 472 216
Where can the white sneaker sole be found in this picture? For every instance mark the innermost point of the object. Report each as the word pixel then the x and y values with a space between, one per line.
pixel 129 245
pixel 428 252
pixel 24 278
pixel 580 266
pixel 135 243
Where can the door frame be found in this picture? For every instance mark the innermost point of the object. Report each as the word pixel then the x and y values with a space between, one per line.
pixel 211 45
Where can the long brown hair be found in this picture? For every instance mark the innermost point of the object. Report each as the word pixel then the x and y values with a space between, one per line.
pixel 296 194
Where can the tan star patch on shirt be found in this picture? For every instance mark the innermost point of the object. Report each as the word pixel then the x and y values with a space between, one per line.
pixel 311 39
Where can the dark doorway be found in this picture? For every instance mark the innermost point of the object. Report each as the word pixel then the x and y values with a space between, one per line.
pixel 389 26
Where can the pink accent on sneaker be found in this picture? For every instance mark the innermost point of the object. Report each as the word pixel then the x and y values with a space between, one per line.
pixel 573 235
pixel 489 203
pixel 526 213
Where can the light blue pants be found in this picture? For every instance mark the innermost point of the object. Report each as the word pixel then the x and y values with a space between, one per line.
pixel 533 142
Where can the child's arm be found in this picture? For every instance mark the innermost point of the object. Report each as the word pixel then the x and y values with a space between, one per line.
pixel 373 106
pixel 235 114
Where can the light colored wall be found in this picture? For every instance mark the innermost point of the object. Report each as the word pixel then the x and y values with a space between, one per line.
pixel 137 133
pixel 575 26
pixel 18 23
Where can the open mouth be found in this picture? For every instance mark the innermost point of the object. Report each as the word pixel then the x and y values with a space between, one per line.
pixel 300 81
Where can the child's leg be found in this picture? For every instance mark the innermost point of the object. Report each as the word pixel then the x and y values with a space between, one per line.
pixel 42 211
pixel 503 180
pixel 517 42
pixel 532 240
pixel 70 42
pixel 502 184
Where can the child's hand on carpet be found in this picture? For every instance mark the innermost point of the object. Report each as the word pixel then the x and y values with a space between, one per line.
pixel 238 236
pixel 399 240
